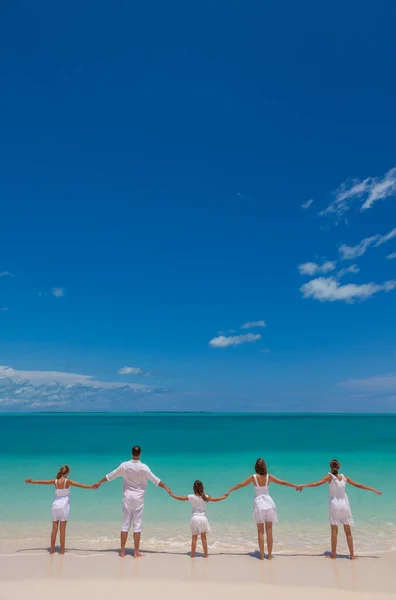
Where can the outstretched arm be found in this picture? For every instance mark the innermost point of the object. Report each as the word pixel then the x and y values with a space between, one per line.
pixel 99 483
pixel 281 482
pixel 182 498
pixel 82 485
pixel 210 499
pixel 240 485
pixel 325 479
pixel 164 487
pixel 41 481
pixel 363 487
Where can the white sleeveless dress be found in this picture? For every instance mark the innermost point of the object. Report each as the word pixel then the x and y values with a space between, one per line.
pixel 199 523
pixel 339 508
pixel 61 503
pixel 264 508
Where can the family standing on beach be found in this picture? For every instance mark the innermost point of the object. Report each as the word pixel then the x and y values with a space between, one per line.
pixel 136 474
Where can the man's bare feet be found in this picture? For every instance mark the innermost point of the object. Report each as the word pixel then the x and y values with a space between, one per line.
pixel 122 553
pixel 353 557
pixel 270 557
pixel 332 556
pixel 137 554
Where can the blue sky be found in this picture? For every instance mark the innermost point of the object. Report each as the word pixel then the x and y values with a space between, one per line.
pixel 169 175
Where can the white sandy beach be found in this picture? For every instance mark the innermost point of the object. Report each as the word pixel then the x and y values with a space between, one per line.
pixel 36 575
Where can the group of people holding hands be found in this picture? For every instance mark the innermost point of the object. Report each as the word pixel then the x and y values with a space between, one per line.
pixel 136 474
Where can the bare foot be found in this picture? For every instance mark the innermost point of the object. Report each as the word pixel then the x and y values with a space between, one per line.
pixel 122 553
pixel 137 554
pixel 262 556
pixel 52 551
pixel 353 557
pixel 332 556
pixel 192 555
pixel 206 555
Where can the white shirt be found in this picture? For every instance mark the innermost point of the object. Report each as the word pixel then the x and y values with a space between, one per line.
pixel 198 505
pixel 135 475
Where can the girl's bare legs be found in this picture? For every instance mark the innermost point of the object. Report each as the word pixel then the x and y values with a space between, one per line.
pixel 54 533
pixel 193 545
pixel 348 533
pixel 204 544
pixel 334 536
pixel 62 536
pixel 260 536
pixel 270 539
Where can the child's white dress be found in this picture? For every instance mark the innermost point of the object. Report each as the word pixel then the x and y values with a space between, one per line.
pixel 339 508
pixel 264 508
pixel 61 503
pixel 199 523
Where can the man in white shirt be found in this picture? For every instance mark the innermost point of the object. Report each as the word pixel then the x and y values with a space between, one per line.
pixel 135 475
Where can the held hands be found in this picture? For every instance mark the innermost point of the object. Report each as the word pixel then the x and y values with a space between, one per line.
pixel 28 480
pixel 299 488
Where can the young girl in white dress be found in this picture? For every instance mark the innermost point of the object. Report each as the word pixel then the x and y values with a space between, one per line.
pixel 61 503
pixel 264 509
pixel 199 523
pixel 339 508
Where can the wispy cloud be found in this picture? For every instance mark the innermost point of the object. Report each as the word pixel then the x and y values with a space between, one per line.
pixel 241 196
pixel 351 252
pixel 254 324
pixel 45 389
pixel 6 274
pixel 352 269
pixel 310 268
pixel 307 204
pixel 380 384
pixel 329 289
pixel 391 256
pixel 367 191
pixel 131 371
pixel 233 340
pixel 3 309
pixel 58 292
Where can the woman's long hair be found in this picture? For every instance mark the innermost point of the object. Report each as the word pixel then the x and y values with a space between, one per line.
pixel 334 466
pixel 63 471
pixel 199 490
pixel 261 467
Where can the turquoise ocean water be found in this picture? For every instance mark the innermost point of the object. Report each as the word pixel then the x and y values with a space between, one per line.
pixel 218 449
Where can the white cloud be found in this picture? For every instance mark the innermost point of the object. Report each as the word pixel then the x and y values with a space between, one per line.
pixel 351 252
pixel 6 274
pixel 130 371
pixel 391 256
pixel 368 191
pixel 328 289
pixel 352 269
pixel 310 268
pixel 379 384
pixel 233 340
pixel 58 292
pixel 307 204
pixel 33 389
pixel 254 324
pixel 241 196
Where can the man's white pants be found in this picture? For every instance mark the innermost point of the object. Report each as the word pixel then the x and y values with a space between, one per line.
pixel 132 516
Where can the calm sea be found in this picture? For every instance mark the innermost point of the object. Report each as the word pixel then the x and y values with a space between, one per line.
pixel 218 449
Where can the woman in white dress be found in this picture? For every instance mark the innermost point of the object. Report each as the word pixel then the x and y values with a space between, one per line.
pixel 199 523
pixel 61 503
pixel 264 509
pixel 339 508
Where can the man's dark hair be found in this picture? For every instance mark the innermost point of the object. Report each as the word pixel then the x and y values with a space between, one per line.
pixel 136 451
